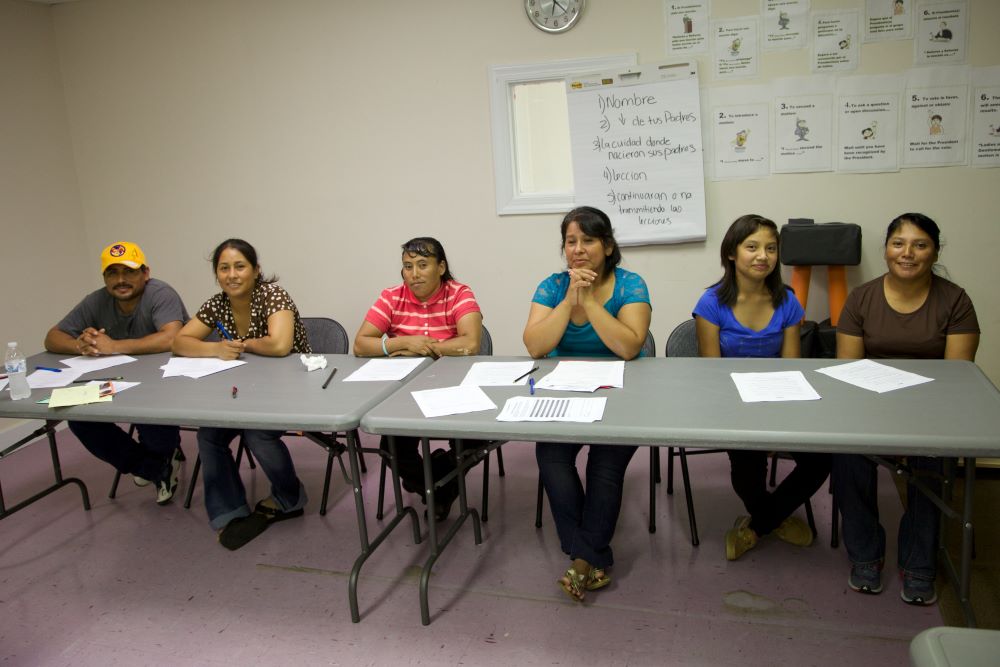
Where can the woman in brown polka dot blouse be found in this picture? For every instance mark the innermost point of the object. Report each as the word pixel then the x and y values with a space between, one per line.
pixel 254 315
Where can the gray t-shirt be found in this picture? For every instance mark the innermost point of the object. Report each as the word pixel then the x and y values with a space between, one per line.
pixel 159 305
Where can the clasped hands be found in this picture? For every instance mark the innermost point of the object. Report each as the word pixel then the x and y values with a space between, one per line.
pixel 94 342
pixel 581 286
pixel 417 346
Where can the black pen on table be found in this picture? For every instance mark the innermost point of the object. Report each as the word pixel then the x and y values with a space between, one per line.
pixel 332 373
pixel 114 379
pixel 526 374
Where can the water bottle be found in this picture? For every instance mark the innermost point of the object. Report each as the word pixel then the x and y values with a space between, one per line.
pixel 17 369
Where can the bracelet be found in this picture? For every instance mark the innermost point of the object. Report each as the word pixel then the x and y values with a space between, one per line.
pixel 385 351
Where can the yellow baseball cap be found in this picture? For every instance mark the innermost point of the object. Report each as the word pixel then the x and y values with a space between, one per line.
pixel 122 252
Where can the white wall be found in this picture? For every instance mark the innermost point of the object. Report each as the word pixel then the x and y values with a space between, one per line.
pixel 327 133
pixel 42 238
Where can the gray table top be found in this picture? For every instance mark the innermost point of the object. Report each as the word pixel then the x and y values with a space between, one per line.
pixel 274 393
pixel 694 402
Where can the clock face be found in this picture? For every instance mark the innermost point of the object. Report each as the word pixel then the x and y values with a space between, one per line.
pixel 554 15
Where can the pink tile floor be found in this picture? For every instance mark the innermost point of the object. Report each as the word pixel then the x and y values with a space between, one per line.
pixel 130 583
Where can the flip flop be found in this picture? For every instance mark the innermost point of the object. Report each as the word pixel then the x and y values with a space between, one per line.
pixel 597 579
pixel 577 584
pixel 275 514
pixel 241 530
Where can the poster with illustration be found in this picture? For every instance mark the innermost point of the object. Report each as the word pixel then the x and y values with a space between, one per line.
pixel 803 133
pixel 740 141
pixel 935 116
pixel 868 123
pixel 986 117
pixel 836 44
pixel 687 23
pixel 735 47
pixel 785 24
pixel 888 19
pixel 941 33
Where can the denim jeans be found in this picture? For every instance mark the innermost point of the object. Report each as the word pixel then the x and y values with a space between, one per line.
pixel 585 520
pixel 225 496
pixel 855 488
pixel 147 459
pixel 748 472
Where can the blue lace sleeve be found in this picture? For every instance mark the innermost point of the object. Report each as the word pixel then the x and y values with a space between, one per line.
pixel 552 290
pixel 632 287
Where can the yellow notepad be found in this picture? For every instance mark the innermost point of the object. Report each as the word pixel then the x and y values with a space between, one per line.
pixel 66 396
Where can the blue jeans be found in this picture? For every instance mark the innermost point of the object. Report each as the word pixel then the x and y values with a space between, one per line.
pixel 225 496
pixel 855 488
pixel 585 520
pixel 147 459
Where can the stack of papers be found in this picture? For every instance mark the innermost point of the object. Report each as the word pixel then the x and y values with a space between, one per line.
pixel 498 373
pixel 873 376
pixel 40 379
pixel 777 386
pixel 452 400
pixel 197 367
pixel 88 364
pixel 381 370
pixel 584 376
pixel 547 409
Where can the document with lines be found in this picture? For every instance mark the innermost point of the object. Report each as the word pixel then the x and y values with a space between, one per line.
pixel 547 409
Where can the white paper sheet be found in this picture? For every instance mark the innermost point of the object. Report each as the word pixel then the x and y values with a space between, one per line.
pixel 873 376
pixel 381 370
pixel 197 367
pixel 452 400
pixel 776 386
pixel 549 409
pixel 498 373
pixel 584 376
pixel 40 379
pixel 3 384
pixel 88 364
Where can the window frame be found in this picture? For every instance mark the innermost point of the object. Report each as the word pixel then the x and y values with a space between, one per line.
pixel 503 78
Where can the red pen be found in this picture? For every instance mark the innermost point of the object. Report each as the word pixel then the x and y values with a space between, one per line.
pixel 235 390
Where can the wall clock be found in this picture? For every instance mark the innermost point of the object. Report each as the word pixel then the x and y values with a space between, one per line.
pixel 554 16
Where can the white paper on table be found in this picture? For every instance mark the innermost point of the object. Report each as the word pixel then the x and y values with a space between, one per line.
pixel 550 409
pixel 584 376
pixel 452 400
pixel 40 379
pixel 498 373
pixel 380 370
pixel 776 386
pixel 197 367
pixel 87 364
pixel 3 384
pixel 873 376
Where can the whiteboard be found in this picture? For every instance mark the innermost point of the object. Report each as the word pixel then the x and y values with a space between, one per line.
pixel 637 152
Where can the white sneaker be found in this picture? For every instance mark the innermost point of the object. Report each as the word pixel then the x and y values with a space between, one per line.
pixel 139 481
pixel 165 488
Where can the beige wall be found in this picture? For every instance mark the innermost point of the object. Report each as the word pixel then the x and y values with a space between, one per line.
pixel 327 133
pixel 42 267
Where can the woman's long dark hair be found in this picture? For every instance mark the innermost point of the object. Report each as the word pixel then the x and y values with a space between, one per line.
pixel 245 249
pixel 726 289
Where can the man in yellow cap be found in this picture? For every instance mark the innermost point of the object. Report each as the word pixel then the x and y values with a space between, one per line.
pixel 132 314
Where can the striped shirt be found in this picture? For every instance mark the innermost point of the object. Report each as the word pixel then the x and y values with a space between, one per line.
pixel 398 312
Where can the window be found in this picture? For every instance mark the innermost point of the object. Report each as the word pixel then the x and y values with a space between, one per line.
pixel 531 145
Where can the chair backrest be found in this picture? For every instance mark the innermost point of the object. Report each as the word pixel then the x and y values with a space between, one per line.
pixel 486 343
pixel 649 345
pixel 683 342
pixel 326 335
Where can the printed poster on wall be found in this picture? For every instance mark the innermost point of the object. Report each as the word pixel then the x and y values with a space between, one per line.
pixel 636 141
pixel 740 141
pixel 934 118
pixel 888 19
pixel 986 117
pixel 803 125
pixel 836 45
pixel 941 33
pixel 868 124
pixel 736 47
pixel 688 25
pixel 785 24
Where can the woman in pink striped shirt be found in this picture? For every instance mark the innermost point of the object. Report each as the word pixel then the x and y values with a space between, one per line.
pixel 429 315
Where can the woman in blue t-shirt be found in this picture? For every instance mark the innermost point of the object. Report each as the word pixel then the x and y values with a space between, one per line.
pixel 592 309
pixel 750 313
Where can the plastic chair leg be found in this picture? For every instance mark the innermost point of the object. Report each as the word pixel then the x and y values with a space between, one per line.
pixel 538 504
pixel 670 470
pixel 192 481
pixel 653 467
pixel 500 471
pixel 381 489
pixel 692 522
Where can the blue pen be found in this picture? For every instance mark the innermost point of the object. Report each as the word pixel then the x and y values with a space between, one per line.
pixel 46 368
pixel 531 386
pixel 222 330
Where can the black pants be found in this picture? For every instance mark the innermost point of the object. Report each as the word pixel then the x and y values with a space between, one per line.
pixel 410 464
pixel 748 471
